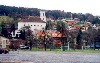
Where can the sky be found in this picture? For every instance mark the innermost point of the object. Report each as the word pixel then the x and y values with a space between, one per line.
pixel 74 6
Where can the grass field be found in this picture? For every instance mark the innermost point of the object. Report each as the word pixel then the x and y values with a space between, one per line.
pixel 77 50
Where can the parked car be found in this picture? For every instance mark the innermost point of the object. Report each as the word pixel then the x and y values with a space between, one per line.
pixel 5 51
pixel 24 47
pixel 97 45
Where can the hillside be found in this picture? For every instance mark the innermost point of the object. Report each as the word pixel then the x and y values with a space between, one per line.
pixel 21 12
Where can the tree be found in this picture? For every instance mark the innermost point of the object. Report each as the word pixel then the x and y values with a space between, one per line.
pixel 27 35
pixel 4 31
pixel 79 37
pixel 72 35
pixel 43 39
pixel 22 35
pixel 61 27
pixel 21 12
pixel 0 28
pixel 13 28
pixel 49 25
pixel 96 21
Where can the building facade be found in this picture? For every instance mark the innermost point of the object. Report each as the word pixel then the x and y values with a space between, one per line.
pixel 42 16
pixel 35 23
pixel 4 42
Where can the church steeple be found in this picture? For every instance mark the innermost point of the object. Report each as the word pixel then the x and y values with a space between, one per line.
pixel 42 15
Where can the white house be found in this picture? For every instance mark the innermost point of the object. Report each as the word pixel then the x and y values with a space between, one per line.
pixel 4 42
pixel 35 23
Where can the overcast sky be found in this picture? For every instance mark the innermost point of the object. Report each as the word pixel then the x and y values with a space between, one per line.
pixel 74 6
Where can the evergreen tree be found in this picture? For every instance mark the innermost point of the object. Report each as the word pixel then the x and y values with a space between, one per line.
pixel 13 27
pixel 79 37
pixel 4 31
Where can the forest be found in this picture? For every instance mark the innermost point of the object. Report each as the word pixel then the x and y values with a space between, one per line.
pixel 21 12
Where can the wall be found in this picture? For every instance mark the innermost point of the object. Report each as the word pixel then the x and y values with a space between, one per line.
pixel 4 42
pixel 33 25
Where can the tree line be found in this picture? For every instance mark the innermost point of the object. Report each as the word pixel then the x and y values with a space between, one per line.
pixel 21 12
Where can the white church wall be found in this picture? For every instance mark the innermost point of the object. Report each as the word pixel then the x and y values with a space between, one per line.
pixel 33 25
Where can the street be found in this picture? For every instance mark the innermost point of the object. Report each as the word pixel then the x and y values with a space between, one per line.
pixel 50 57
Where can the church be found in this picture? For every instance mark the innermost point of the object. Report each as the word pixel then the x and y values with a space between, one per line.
pixel 35 22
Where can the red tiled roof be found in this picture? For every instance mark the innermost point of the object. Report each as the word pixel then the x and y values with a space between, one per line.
pixel 78 27
pixel 57 42
pixel 56 34
pixel 41 34
pixel 32 19
pixel 70 21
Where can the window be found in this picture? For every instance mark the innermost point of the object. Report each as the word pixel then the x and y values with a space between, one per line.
pixel 43 18
pixel 34 25
pixel 43 14
pixel 31 25
pixel 24 24
pixel 6 41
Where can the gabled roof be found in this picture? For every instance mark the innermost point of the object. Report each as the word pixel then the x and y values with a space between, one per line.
pixel 32 19
pixel 56 34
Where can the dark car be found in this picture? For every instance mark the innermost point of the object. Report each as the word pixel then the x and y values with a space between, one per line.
pixel 5 51
pixel 97 45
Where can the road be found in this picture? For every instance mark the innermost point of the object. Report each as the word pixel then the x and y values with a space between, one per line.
pixel 50 57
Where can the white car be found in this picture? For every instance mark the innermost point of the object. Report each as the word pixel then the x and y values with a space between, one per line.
pixel 24 47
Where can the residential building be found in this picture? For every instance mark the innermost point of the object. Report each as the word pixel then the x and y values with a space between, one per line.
pixel 4 42
pixel 70 22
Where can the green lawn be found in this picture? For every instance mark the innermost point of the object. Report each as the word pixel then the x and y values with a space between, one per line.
pixel 59 50
pixel 85 51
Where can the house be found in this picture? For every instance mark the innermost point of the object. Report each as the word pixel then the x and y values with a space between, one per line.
pixel 70 22
pixel 57 38
pixel 4 42
pixel 55 35
pixel 35 23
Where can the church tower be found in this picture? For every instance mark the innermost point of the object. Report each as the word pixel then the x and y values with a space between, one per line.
pixel 42 15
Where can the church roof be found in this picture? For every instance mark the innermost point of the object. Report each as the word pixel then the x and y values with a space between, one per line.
pixel 32 19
